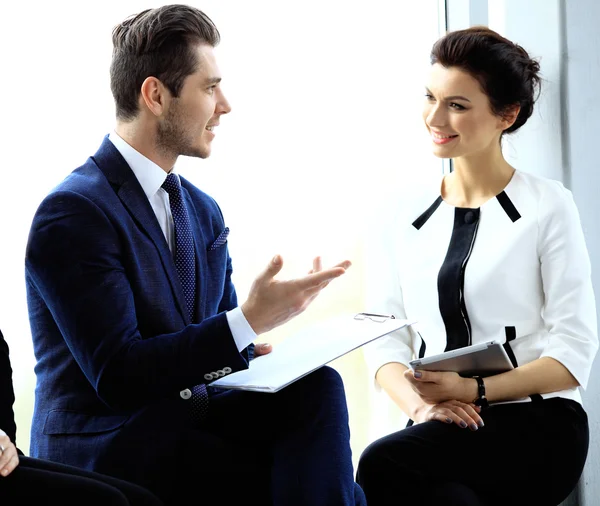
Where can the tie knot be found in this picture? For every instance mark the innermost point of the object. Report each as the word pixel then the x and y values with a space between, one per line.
pixel 172 185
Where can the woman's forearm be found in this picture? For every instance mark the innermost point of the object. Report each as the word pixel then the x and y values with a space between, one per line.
pixel 541 376
pixel 391 378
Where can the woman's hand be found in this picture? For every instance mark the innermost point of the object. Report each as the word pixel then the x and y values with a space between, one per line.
pixel 462 414
pixel 432 396
pixel 447 397
pixel 437 387
pixel 9 458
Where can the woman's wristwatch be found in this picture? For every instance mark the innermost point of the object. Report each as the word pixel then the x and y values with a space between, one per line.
pixel 481 400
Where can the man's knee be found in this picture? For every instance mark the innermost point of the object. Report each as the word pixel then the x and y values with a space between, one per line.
pixel 327 376
pixel 317 395
pixel 324 381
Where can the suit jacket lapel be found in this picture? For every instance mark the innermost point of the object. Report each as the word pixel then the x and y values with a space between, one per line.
pixel 122 178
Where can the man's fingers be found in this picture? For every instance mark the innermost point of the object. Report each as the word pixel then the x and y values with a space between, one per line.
pixel 262 349
pixel 273 268
pixel 315 279
pixel 313 291
pixel 346 264
pixel 317 264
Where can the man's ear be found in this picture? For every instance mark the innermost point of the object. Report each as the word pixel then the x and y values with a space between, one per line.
pixel 509 116
pixel 154 96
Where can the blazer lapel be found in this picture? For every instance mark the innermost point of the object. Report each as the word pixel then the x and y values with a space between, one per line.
pixel 128 189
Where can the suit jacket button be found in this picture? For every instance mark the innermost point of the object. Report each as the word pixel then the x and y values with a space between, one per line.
pixel 185 394
pixel 208 376
pixel 226 370
pixel 214 375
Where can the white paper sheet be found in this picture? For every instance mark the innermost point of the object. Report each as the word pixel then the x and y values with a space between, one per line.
pixel 306 351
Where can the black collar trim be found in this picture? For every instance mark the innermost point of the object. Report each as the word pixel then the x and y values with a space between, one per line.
pixel 421 220
pixel 508 206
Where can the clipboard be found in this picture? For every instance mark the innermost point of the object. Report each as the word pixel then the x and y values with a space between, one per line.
pixel 306 351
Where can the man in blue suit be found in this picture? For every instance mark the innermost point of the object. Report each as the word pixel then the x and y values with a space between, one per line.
pixel 133 311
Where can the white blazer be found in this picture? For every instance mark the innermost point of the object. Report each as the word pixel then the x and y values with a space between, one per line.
pixel 516 269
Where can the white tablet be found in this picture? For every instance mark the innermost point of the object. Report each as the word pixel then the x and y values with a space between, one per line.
pixel 482 359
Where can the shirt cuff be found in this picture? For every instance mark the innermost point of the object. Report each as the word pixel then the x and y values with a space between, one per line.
pixel 241 330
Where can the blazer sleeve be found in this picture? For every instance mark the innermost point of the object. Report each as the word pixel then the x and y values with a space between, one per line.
pixel 384 288
pixel 75 265
pixel 7 394
pixel 570 309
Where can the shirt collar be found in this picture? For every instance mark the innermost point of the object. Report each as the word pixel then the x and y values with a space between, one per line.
pixel 150 175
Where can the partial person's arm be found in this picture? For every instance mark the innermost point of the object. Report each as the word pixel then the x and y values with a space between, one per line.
pixel 569 311
pixel 540 376
pixel 9 456
pixel 265 294
pixel 7 394
pixel 272 303
pixel 392 378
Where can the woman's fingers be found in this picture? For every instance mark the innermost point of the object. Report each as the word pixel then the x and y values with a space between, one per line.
pixel 459 413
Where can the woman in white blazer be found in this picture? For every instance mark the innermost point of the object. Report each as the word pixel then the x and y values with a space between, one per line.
pixel 486 252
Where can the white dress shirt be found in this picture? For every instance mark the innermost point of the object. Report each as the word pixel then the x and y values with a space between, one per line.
pixel 151 177
pixel 515 269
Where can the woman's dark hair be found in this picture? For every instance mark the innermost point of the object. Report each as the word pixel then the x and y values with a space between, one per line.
pixel 506 73
pixel 160 43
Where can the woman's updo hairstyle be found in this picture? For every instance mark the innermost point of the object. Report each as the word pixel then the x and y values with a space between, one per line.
pixel 506 73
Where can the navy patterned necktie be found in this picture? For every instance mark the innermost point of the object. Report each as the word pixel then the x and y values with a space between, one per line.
pixel 183 251
pixel 185 262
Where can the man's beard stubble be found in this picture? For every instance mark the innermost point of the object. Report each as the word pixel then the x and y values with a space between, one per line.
pixel 172 138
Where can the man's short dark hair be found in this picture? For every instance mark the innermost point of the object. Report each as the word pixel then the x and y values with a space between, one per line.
pixel 160 43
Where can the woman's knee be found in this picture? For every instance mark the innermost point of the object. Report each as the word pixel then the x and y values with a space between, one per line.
pixel 374 461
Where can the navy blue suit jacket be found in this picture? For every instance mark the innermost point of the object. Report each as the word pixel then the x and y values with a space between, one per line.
pixel 112 339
